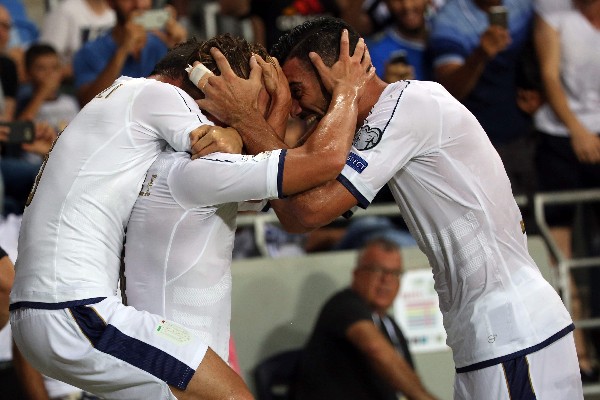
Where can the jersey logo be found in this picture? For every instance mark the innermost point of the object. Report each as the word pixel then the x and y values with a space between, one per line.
pixel 356 163
pixel 366 138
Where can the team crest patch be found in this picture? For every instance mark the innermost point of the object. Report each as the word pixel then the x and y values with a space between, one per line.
pixel 356 162
pixel 366 138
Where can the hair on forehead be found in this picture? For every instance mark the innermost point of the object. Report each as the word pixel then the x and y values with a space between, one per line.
pixel 37 50
pixel 381 242
pixel 321 35
pixel 236 50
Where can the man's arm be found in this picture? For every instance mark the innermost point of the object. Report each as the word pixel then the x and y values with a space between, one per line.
pixel 314 208
pixel 460 79
pixel 130 40
pixel 7 275
pixel 386 361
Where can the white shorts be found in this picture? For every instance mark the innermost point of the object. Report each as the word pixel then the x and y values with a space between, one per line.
pixel 549 373
pixel 108 349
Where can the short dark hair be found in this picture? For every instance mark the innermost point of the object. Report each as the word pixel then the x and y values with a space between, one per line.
pixel 321 35
pixel 37 50
pixel 237 51
pixel 381 241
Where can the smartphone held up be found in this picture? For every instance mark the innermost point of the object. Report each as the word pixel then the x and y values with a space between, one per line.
pixel 19 132
pixel 498 15
pixel 153 19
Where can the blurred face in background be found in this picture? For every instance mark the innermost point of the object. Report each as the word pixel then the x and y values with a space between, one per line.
pixel 125 9
pixel 409 15
pixel 5 26
pixel 44 66
pixel 377 276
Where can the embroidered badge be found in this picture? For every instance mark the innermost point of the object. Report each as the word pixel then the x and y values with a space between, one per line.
pixel 366 138
pixel 356 162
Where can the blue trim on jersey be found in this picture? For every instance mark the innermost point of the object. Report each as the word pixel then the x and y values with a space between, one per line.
pixel 280 174
pixel 520 353
pixel 54 306
pixel 395 107
pixel 362 200
pixel 108 339
pixel 518 381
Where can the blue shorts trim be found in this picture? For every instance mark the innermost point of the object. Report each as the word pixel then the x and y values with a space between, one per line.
pixel 518 381
pixel 529 350
pixel 109 340
pixel 55 306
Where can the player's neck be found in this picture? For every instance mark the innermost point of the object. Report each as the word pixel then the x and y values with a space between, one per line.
pixel 371 96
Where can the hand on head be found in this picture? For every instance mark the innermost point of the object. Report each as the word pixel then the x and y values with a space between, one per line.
pixel 208 139
pixel 229 97
pixel 351 71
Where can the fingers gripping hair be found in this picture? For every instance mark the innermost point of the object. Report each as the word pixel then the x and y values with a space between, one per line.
pixel 236 50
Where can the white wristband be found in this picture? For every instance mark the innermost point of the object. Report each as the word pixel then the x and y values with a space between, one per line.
pixel 196 73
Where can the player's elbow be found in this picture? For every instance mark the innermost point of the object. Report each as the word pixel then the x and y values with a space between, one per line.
pixel 313 219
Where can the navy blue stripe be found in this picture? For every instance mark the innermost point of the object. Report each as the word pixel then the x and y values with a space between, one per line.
pixel 516 372
pixel 54 306
pixel 207 158
pixel 109 340
pixel 280 174
pixel 395 107
pixel 362 200
pixel 529 350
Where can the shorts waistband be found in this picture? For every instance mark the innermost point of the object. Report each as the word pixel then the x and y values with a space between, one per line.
pixel 520 353
pixel 55 306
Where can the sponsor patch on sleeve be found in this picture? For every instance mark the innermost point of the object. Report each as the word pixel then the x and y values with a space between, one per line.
pixel 356 162
pixel 173 332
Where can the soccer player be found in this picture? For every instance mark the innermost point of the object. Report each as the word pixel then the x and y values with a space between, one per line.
pixel 504 322
pixel 67 317
pixel 181 230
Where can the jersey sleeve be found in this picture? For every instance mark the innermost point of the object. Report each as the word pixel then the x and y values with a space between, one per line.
pixel 164 111
pixel 398 129
pixel 225 178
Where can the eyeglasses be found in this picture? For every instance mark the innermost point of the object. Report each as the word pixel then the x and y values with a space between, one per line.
pixel 396 273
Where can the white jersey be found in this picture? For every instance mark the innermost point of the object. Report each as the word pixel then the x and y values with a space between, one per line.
pixel 578 73
pixel 72 232
pixel 180 237
pixel 456 199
